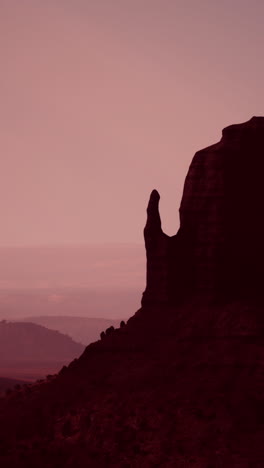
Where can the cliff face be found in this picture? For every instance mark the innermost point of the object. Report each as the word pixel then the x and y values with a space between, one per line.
pixel 218 252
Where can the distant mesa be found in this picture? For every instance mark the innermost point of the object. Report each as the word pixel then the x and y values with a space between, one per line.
pixel 218 252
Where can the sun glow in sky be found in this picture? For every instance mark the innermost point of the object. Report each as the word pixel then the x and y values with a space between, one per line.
pixel 102 101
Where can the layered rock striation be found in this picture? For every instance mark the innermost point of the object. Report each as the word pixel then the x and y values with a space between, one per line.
pixel 218 252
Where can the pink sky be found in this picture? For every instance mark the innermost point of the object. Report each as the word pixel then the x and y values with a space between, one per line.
pixel 106 267
pixel 104 100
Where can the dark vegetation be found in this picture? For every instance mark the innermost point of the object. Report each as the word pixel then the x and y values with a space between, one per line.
pixel 6 384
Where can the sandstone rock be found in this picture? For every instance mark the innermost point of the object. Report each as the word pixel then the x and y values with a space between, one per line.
pixel 218 252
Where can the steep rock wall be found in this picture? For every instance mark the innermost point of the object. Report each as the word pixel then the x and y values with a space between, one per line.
pixel 218 252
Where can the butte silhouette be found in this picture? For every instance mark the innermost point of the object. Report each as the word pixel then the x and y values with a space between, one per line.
pixel 218 252
pixel 182 383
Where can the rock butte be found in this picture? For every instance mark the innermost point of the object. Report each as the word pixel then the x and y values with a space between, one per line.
pixel 182 383
pixel 218 252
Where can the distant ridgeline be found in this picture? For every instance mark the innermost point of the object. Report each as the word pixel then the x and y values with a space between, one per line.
pixel 218 252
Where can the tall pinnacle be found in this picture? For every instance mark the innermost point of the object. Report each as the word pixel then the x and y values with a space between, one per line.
pixel 153 216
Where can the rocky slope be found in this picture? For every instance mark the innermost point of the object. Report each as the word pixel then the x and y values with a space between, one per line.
pixel 182 383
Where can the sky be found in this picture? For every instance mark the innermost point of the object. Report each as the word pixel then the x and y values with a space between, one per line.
pixel 103 100
pixel 104 280
pixel 107 267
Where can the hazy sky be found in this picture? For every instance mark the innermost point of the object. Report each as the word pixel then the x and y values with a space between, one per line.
pixel 104 100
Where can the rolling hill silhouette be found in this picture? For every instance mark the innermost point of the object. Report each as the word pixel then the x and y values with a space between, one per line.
pixel 29 351
pixel 29 341
pixel 182 383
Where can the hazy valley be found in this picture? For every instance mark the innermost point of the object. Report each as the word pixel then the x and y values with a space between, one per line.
pixel 76 291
